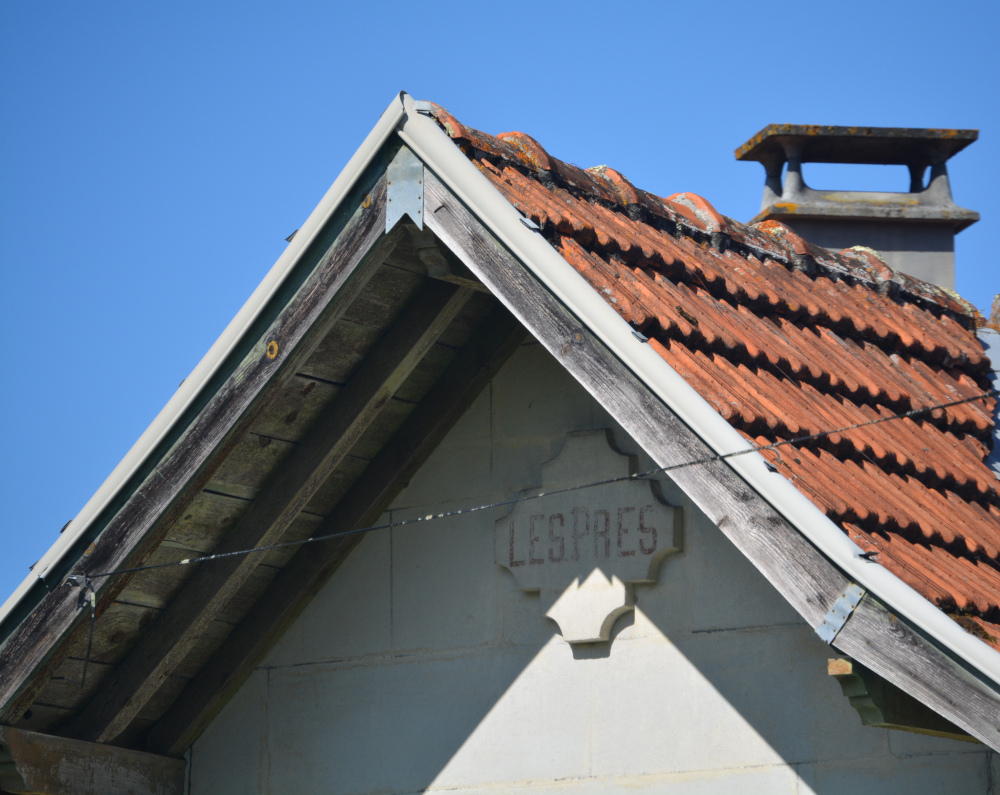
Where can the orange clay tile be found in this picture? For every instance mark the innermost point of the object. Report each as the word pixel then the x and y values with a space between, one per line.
pixel 787 340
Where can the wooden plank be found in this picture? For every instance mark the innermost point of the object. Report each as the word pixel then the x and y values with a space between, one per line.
pixel 248 466
pixel 809 581
pixel 337 485
pixel 40 764
pixel 382 480
pixel 420 380
pixel 289 488
pixel 33 646
pixel 206 645
pixel 249 592
pixel 156 587
pixel 897 652
pixel 341 352
pixel 207 519
pixel 379 433
pixel 44 718
pixel 63 689
pixel 385 297
pixel 290 415
pixel 115 632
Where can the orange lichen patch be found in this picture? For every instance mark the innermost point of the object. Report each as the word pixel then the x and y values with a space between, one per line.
pixel 788 342
pixel 704 213
pixel 626 192
pixel 994 321
pixel 532 151
pixel 984 630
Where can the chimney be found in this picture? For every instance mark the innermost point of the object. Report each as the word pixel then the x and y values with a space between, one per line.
pixel 914 232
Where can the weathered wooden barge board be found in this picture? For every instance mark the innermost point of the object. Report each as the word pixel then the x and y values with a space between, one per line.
pixel 32 651
pixel 809 582
pixel 238 480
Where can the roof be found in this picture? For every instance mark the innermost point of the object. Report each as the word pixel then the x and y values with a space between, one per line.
pixel 364 345
pixel 874 145
pixel 787 340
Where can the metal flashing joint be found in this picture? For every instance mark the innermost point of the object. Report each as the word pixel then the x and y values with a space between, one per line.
pixel 835 619
pixel 404 189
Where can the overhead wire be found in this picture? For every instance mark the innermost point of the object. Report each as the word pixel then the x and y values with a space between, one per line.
pixel 89 596
pixel 754 448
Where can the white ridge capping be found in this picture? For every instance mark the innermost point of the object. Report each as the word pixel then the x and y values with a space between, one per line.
pixel 436 149
pixel 192 386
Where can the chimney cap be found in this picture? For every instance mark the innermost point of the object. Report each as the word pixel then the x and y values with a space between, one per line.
pixel 814 143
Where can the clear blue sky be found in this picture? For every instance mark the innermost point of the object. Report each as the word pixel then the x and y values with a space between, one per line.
pixel 154 158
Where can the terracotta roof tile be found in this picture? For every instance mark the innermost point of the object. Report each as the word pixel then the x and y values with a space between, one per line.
pixel 786 339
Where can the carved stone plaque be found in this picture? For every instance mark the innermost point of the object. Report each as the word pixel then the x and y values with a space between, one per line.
pixel 583 550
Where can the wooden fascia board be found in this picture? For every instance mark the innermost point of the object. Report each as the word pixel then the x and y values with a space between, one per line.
pixel 40 764
pixel 288 490
pixel 330 274
pixel 884 642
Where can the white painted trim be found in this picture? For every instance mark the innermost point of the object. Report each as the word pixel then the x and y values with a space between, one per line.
pixel 440 154
pixel 192 386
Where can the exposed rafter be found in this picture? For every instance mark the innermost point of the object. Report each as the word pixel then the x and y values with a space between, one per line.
pixel 385 476
pixel 290 488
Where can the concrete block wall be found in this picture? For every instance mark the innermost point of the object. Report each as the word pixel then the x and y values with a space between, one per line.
pixel 420 666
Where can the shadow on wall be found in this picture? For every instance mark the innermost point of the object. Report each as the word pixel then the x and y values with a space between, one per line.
pixel 689 695
pixel 423 665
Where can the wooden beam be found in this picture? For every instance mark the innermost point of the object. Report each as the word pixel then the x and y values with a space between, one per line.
pixel 899 653
pixel 883 705
pixel 40 764
pixel 381 481
pixel 34 648
pixel 167 642
pixel 807 579
pixel 441 263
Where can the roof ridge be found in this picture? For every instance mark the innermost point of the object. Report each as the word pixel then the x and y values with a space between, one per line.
pixel 780 336
pixel 699 219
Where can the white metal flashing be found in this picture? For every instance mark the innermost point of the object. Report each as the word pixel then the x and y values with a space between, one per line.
pixel 837 615
pixel 192 386
pixel 440 154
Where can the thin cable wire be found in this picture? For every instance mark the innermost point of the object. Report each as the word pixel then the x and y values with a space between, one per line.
pixel 527 497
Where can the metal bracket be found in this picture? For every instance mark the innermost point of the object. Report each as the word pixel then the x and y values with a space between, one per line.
pixel 834 621
pixel 404 189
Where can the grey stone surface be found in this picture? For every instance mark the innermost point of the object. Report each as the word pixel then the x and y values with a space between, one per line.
pixel 924 250
pixel 914 231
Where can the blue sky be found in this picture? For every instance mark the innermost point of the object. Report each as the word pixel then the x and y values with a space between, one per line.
pixel 154 158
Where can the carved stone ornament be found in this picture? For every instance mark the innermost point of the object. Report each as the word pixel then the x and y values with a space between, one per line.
pixel 583 550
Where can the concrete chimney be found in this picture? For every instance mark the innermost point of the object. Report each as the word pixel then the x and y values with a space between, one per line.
pixel 914 232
